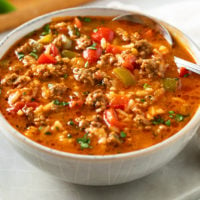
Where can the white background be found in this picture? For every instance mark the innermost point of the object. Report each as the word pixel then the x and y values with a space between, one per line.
pixel 180 179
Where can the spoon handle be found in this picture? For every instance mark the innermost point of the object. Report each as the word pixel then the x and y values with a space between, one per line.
pixel 188 65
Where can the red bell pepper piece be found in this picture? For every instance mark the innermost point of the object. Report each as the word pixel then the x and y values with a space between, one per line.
pixel 92 55
pixel 119 102
pixel 183 71
pixel 111 119
pixel 77 22
pixel 53 50
pixel 113 49
pixel 103 32
pixel 46 59
pixel 20 105
pixel 129 62
pixel 76 103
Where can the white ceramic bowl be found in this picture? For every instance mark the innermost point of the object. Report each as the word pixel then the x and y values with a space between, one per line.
pixel 96 170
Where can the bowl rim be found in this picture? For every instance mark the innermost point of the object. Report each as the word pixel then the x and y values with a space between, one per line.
pixel 193 123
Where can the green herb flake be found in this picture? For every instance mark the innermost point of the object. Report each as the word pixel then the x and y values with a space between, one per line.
pixel 168 122
pixel 71 123
pixel 50 85
pixel 24 93
pixel 64 103
pixel 40 128
pixel 86 93
pixel 84 142
pixel 158 120
pixel 60 103
pixel 171 116
pixel 69 135
pixel 77 32
pixel 87 19
pixel 20 56
pixel 86 64
pixel 47 133
pixel 122 134
pixel 33 99
pixel 186 75
pixel 34 55
pixel 171 112
pixel 56 102
pixel 65 76
pixel 93 46
pixel 179 117
pixel 95 30
pixel 46 30
pixel 146 85
pixel 142 100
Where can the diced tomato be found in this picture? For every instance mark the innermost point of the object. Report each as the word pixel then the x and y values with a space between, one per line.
pixel 119 102
pixel 53 50
pixel 183 71
pixel 113 49
pixel 46 59
pixel 148 33
pixel 76 103
pixel 20 105
pixel 63 30
pixel 92 55
pixel 34 105
pixel 103 32
pixel 129 62
pixel 111 119
pixel 77 22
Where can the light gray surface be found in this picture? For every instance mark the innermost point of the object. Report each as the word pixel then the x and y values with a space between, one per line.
pixel 180 179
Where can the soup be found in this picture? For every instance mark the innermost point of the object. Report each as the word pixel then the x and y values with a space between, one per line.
pixel 90 85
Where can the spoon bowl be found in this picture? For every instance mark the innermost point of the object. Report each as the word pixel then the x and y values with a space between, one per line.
pixel 156 25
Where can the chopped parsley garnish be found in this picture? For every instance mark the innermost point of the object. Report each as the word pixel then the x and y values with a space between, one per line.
pixel 186 75
pixel 47 133
pixel 84 142
pixel 46 30
pixel 69 135
pixel 146 85
pixel 93 46
pixel 60 103
pixel 179 117
pixel 171 112
pixel 65 76
pixel 34 55
pixel 20 56
pixel 24 93
pixel 158 120
pixel 71 123
pixel 87 19
pixel 142 100
pixel 33 99
pixel 168 122
pixel 50 85
pixel 86 93
pixel 95 30
pixel 77 32
pixel 122 134
pixel 86 64
pixel 40 128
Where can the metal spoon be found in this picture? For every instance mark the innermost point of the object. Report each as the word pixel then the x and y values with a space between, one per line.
pixel 154 24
